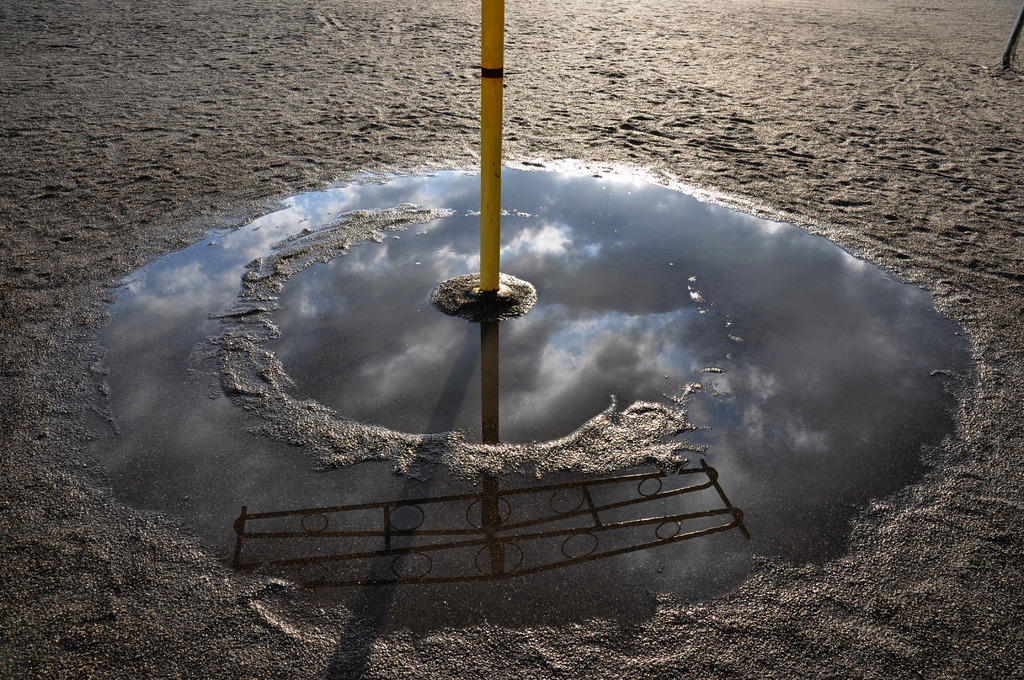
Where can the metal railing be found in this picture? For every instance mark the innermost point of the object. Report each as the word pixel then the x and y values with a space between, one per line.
pixel 490 534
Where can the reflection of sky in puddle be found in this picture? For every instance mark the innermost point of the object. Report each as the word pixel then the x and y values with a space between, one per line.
pixel 823 386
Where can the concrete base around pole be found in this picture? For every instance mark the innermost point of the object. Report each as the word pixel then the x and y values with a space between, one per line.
pixel 461 296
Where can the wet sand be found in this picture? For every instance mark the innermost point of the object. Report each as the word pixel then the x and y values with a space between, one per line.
pixel 130 131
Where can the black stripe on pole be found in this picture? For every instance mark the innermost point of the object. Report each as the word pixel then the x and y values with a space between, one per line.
pixel 492 72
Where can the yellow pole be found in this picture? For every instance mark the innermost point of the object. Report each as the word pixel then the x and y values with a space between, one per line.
pixel 492 64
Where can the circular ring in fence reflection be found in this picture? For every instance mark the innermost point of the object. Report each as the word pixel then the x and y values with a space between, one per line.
pixel 578 546
pixel 511 552
pixel 312 574
pixel 412 565
pixel 473 516
pixel 667 530
pixel 408 517
pixel 567 500
pixel 315 522
pixel 649 486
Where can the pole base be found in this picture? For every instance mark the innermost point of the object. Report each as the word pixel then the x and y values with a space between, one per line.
pixel 461 296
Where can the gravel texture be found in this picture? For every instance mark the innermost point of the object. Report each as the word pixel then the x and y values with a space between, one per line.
pixel 130 129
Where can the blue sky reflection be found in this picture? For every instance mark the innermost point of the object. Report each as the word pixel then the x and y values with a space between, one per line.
pixel 827 372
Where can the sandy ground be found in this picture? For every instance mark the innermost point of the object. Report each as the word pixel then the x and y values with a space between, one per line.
pixel 131 128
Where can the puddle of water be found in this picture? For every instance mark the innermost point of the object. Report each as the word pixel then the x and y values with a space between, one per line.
pixel 822 380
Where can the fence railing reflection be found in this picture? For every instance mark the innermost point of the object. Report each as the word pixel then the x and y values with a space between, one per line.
pixel 487 535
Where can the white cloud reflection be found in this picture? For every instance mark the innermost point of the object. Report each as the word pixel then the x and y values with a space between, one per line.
pixel 549 239
pixel 822 406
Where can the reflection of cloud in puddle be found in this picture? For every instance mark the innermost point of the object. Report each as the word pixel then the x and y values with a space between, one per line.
pixel 604 350
pixel 187 284
pixel 257 380
pixel 825 403
pixel 391 378
pixel 632 329
pixel 550 239
pixel 452 262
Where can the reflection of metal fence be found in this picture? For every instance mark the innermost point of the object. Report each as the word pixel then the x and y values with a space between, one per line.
pixel 488 535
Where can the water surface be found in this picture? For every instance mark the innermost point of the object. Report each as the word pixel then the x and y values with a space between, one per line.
pixel 823 378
